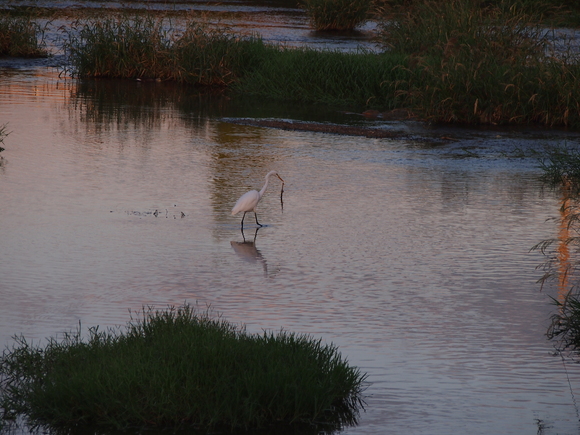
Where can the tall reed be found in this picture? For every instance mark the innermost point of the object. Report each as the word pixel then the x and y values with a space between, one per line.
pixel 180 368
pixel 474 64
pixel 148 47
pixel 21 37
pixel 129 47
pixel 460 61
pixel 215 56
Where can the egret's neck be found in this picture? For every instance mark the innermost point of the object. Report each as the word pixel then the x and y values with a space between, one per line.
pixel 265 185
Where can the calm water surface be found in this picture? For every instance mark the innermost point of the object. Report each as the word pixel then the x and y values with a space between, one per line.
pixel 412 257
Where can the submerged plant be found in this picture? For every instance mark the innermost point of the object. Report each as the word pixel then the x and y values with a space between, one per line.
pixel 179 368
pixel 127 47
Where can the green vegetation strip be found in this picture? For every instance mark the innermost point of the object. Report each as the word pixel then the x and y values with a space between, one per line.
pixel 453 61
pixel 146 47
pixel 179 367
pixel 480 65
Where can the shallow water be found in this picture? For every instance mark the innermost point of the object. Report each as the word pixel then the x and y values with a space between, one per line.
pixel 412 255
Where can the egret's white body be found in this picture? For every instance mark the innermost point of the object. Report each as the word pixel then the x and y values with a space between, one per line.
pixel 249 200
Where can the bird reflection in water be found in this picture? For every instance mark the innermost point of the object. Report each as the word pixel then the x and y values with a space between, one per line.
pixel 247 251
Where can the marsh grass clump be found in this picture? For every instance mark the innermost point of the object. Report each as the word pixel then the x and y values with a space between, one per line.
pixel 337 14
pixel 215 56
pixel 20 36
pixel 128 47
pixel 148 47
pixel 456 61
pixel 473 63
pixel 361 78
pixel 179 368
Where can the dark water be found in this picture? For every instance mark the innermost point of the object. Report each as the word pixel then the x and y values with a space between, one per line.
pixel 412 256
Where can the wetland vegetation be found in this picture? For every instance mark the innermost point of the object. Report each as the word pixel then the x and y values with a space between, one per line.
pixel 180 368
pixel 484 63
pixel 21 37
pixel 561 170
pixel 471 62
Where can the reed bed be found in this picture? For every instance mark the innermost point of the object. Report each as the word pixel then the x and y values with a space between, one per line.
pixel 483 65
pixel 180 368
pixel 148 47
pixel 357 80
pixel 21 37
pixel 565 326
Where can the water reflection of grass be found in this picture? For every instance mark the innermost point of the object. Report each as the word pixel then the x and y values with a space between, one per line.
pixel 180 368
pixel 143 48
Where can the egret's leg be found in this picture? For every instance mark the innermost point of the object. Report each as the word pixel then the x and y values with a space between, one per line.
pixel 243 221
pixel 256 214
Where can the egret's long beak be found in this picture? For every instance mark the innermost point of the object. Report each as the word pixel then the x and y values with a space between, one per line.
pixel 279 178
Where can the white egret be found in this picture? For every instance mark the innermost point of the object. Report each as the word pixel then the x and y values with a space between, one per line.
pixel 249 200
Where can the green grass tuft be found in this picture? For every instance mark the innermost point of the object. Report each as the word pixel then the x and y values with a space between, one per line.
pixel 180 368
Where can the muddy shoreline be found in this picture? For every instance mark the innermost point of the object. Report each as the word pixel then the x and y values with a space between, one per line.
pixel 338 129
